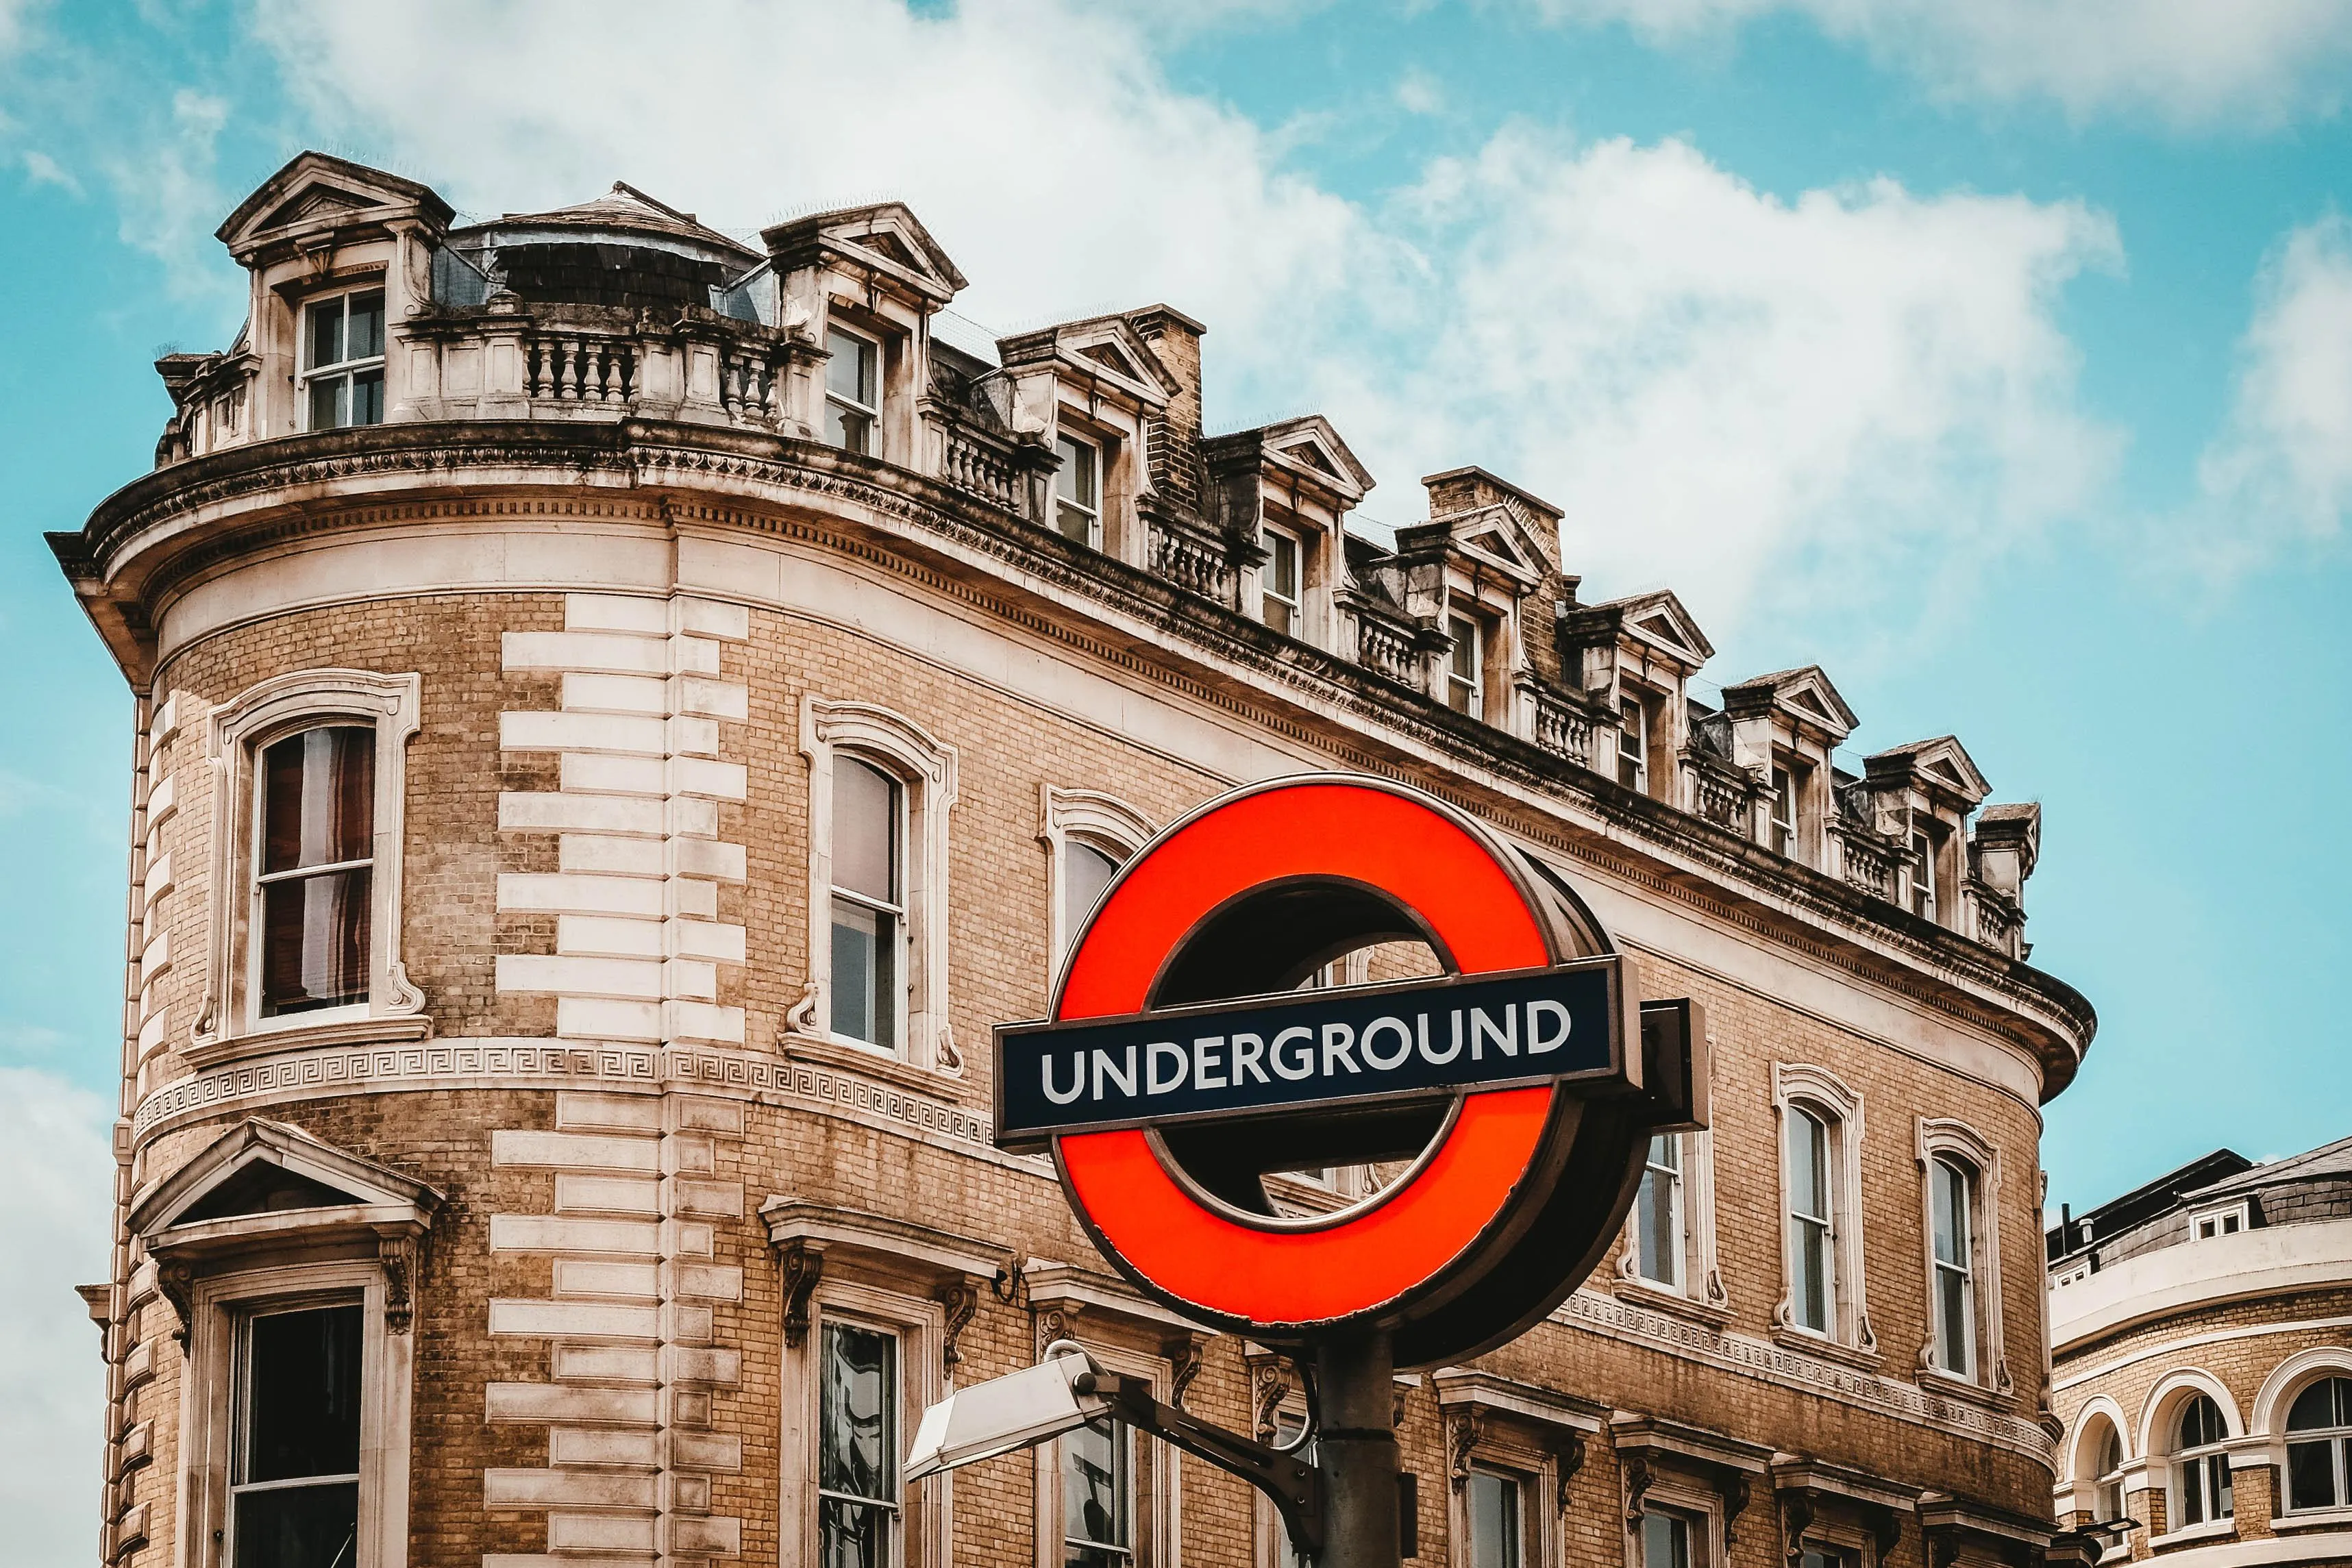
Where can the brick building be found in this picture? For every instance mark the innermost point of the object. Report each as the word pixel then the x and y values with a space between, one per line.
pixel 622 712
pixel 2200 1332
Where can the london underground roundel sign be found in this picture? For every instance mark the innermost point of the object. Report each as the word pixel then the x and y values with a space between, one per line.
pixel 1508 1096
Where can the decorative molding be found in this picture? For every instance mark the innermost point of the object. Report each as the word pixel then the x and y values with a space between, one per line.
pixel 1184 1354
pixel 1105 821
pixel 961 1299
pixel 926 769
pixel 1842 1107
pixel 224 1020
pixel 1567 1458
pixel 1464 1428
pixel 1271 1378
pixel 801 1267
pixel 1966 1147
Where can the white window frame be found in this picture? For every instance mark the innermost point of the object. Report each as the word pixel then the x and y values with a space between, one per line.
pixel 1295 604
pixel 2273 1405
pixel 1092 817
pixel 1925 884
pixel 1784 809
pixel 1472 685
pixel 229 1019
pixel 926 770
pixel 1699 1505
pixel 1639 733
pixel 2224 1220
pixel 1840 1107
pixel 871 413
pixel 1947 1138
pixel 346 370
pixel 893 907
pixel 919 1325
pixel 220 1305
pixel 1700 1282
pixel 2186 1466
pixel 1155 1527
pixel 1092 512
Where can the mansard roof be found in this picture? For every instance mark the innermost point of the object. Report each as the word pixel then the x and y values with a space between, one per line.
pixel 885 237
pixel 1105 347
pixel 1805 693
pixel 1942 761
pixel 261 1166
pixel 315 191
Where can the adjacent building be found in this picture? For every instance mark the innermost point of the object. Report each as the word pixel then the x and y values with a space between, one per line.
pixel 2200 1332
pixel 623 708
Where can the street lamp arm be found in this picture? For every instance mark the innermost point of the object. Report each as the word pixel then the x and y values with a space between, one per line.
pixel 1294 1487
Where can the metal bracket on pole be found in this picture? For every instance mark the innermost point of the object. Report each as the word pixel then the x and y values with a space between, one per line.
pixel 1294 1486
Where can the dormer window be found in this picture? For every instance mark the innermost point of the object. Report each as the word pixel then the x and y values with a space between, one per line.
pixel 342 361
pixel 1465 676
pixel 2217 1223
pixel 1784 810
pixel 1633 745
pixel 1278 583
pixel 852 390
pixel 1077 491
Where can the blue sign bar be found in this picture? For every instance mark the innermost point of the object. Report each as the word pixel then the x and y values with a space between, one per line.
pixel 1418 1039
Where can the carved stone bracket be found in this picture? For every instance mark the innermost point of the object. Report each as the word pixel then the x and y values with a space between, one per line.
pixel 1056 1321
pixel 1462 1430
pixel 1184 1353
pixel 1943 1547
pixel 1270 1380
pixel 803 1267
pixel 1796 1518
pixel 801 1016
pixel 176 1279
pixel 1736 1494
pixel 1567 1458
pixel 1639 1479
pixel 401 1258
pixel 961 1299
pixel 1885 1530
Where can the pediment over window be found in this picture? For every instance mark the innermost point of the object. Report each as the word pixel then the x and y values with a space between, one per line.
pixel 1105 350
pixel 886 241
pixel 1303 452
pixel 1941 763
pixel 1804 696
pixel 317 192
pixel 266 1178
pixel 1660 618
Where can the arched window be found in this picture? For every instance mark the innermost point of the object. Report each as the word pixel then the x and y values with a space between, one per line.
pixel 2107 1475
pixel 2319 1432
pixel 869 902
pixel 1813 1282
pixel 2200 1473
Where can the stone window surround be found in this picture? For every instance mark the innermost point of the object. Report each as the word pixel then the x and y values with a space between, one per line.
pixel 2077 1486
pixel 919 1328
pixel 1708 1475
pixel 2159 1469
pixel 1822 1092
pixel 926 768
pixel 1119 464
pixel 1492 607
pixel 1308 541
pixel 1083 814
pixel 218 1304
pixel 226 1024
pixel 1702 1293
pixel 1068 1304
pixel 1700 1504
pixel 1954 1139
pixel 1533 1434
pixel 1855 1515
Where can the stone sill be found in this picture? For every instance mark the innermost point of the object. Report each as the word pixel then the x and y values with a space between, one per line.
pixel 1806 1343
pixel 844 1055
pixel 1635 1290
pixel 2211 1530
pixel 304 1035
pixel 2312 1518
pixel 1949 1385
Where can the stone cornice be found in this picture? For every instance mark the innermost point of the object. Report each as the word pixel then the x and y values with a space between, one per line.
pixel 174 524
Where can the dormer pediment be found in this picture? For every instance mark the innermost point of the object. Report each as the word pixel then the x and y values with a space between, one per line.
pixel 885 242
pixel 317 193
pixel 1661 620
pixel 1305 452
pixel 262 1174
pixel 1103 351
pixel 1497 536
pixel 1804 696
pixel 1941 764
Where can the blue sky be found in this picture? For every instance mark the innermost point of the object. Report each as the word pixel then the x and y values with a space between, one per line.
pixel 1998 358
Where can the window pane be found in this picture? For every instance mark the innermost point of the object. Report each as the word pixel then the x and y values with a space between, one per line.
pixel 865 830
pixel 858 1446
pixel 326 334
pixel 2311 1474
pixel 367 398
pixel 299 1527
pixel 1095 1500
pixel 1465 647
pixel 319 798
pixel 849 373
pixel 2200 1423
pixel 329 409
pixel 363 336
pixel 314 941
pixel 1655 1226
pixel 1074 480
pixel 1073 524
pixel 1810 1297
pixel 1808 1165
pixel 1665 1540
pixel 1954 1333
pixel 1283 565
pixel 1951 1189
pixel 865 974
pixel 301 1395
pixel 1493 1509
pixel 2321 1405
pixel 848 429
pixel 1085 871
pixel 2218 1479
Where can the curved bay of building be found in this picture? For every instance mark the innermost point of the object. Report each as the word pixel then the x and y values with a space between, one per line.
pixel 2201 1345
pixel 583 842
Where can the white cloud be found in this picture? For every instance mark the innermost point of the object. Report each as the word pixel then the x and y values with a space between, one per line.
pixel 56 1175
pixel 2187 62
pixel 1792 403
pixel 43 170
pixel 165 187
pixel 2281 471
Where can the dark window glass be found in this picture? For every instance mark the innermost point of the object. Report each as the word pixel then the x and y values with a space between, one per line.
pixel 318 836
pixel 2317 1470
pixel 857 1448
pixel 1665 1540
pixel 1098 1497
pixel 294 1490
pixel 1492 1504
